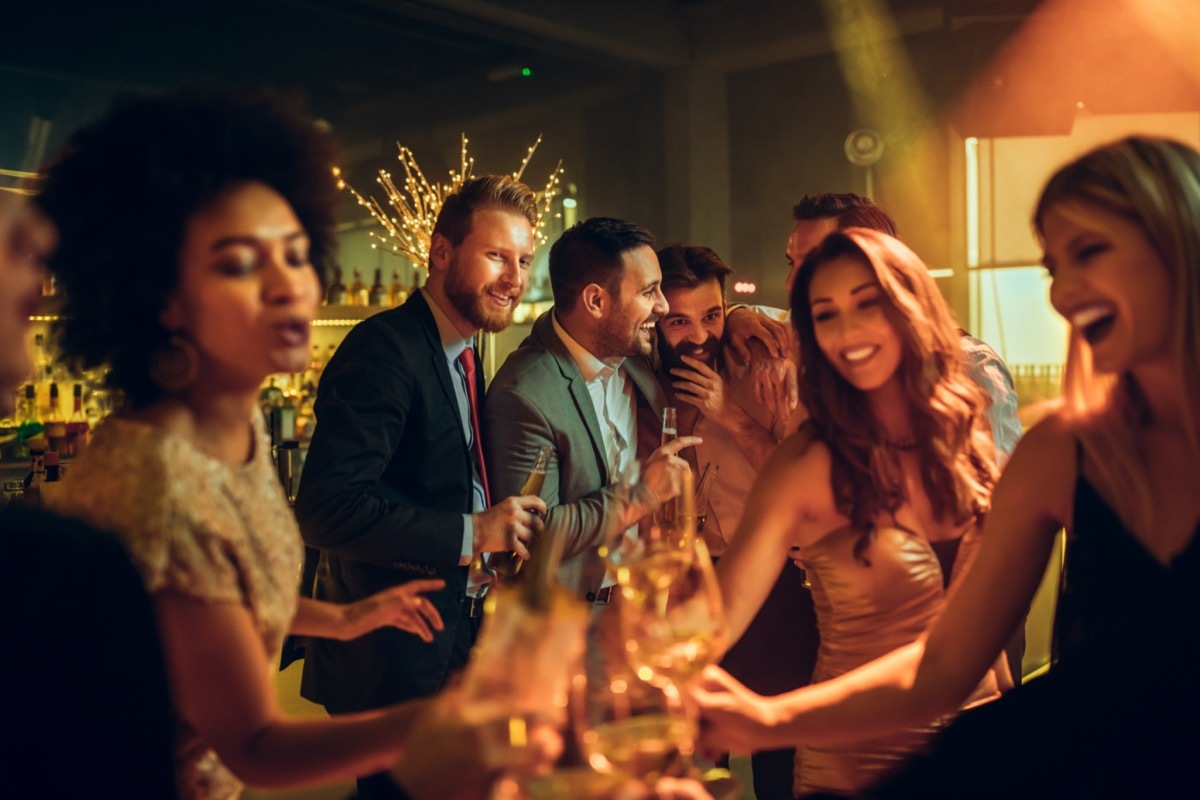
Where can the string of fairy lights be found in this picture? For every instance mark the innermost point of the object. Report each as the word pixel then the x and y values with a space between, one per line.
pixel 410 210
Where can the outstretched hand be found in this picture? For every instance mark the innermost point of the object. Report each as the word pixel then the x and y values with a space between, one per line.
pixel 732 718
pixel 405 607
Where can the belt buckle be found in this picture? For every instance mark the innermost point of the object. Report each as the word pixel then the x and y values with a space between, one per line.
pixel 602 597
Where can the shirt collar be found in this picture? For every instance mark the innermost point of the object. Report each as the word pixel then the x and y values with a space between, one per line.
pixel 453 342
pixel 590 366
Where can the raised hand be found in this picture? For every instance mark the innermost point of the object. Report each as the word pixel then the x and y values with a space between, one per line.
pixel 664 469
pixel 702 387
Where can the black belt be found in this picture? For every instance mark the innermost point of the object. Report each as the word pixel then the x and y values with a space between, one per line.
pixel 602 597
pixel 472 607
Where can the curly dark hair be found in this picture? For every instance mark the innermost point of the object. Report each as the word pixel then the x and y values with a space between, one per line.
pixel 123 189
pixel 688 266
pixel 958 466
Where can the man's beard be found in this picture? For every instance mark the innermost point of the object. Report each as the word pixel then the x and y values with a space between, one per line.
pixel 619 337
pixel 672 357
pixel 472 303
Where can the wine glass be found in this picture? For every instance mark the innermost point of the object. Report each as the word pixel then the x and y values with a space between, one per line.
pixel 671 617
pixel 627 726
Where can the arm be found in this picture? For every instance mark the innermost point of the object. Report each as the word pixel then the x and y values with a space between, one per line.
pixel 514 430
pixel 402 607
pixel 985 368
pixel 705 389
pixel 767 325
pixel 221 684
pixel 365 410
pixel 759 549
pixel 933 675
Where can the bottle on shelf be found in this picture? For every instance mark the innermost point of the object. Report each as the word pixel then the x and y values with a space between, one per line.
pixel 356 294
pixel 54 410
pixel 416 282
pixel 397 294
pixel 335 295
pixel 77 425
pixel 377 295
pixel 508 565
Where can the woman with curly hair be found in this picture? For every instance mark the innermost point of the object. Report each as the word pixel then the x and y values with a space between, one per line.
pixel 1118 714
pixel 193 231
pixel 884 488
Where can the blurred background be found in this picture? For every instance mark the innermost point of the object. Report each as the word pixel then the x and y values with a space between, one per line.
pixel 702 119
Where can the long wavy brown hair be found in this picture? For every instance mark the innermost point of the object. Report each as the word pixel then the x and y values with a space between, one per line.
pixel 952 439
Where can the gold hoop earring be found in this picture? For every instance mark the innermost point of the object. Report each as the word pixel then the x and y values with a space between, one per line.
pixel 174 365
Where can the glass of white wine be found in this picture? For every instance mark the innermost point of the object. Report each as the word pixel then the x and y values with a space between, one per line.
pixel 629 727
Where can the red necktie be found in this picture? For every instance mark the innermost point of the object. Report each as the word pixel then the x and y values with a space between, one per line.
pixel 467 357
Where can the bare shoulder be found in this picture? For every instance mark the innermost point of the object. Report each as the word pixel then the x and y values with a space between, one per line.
pixel 1040 478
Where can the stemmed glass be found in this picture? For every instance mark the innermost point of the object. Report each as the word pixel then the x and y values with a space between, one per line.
pixel 672 624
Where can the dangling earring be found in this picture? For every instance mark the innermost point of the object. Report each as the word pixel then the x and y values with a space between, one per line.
pixel 174 364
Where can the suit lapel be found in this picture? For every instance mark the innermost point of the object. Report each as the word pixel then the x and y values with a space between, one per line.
pixel 437 353
pixel 544 334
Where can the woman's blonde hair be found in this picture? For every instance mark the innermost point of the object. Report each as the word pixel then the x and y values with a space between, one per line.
pixel 1154 183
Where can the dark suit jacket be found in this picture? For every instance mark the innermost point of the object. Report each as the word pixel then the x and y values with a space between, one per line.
pixel 382 494
pixel 539 397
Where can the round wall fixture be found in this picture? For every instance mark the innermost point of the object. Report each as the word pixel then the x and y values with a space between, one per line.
pixel 863 147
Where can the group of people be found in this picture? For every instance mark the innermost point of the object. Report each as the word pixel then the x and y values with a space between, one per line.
pixel 860 434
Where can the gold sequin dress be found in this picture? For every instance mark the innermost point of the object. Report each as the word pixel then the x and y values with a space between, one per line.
pixel 198 527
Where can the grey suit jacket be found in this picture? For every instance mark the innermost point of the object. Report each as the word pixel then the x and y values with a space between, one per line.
pixel 539 397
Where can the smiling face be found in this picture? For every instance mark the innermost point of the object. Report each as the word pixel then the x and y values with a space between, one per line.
pixel 693 326
pixel 627 330
pixel 806 234
pixel 1110 284
pixel 247 291
pixel 26 240
pixel 488 272
pixel 851 326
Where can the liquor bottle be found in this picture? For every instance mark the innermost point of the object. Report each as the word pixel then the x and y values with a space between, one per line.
pixel 356 295
pixel 377 296
pixel 507 564
pixel 670 432
pixel 54 410
pixel 335 295
pixel 77 426
pixel 416 282
pixel 397 294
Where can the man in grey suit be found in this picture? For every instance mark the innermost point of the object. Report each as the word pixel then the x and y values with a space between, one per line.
pixel 581 384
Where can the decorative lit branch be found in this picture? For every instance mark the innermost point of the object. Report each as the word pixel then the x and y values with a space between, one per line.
pixel 412 208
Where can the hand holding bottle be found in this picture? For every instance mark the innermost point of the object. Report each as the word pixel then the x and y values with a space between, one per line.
pixel 664 469
pixel 510 524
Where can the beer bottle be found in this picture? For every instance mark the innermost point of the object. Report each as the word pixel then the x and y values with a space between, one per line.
pixel 507 564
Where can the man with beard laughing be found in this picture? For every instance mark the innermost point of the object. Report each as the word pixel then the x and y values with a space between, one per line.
pixel 581 383
pixel 394 487
pixel 778 649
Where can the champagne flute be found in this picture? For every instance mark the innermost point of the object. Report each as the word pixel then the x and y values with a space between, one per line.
pixel 671 616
